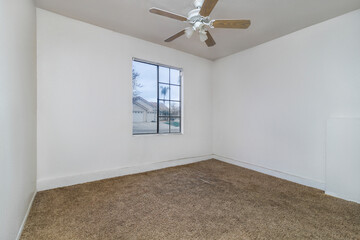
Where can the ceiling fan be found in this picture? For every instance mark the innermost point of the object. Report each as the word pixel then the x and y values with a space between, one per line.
pixel 199 20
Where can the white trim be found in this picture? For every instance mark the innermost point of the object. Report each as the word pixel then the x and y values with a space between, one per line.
pixel 25 217
pixel 341 196
pixel 292 178
pixel 50 183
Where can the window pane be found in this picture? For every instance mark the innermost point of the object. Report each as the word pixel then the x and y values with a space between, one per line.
pixel 175 93
pixel 174 109
pixel 175 125
pixel 164 126
pixel 164 108
pixel 144 82
pixel 164 74
pixel 164 92
pixel 175 76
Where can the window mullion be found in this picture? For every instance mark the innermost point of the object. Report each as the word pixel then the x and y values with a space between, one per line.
pixel 180 100
pixel 158 107
pixel 169 104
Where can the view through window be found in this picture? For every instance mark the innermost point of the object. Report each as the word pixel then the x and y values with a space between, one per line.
pixel 156 98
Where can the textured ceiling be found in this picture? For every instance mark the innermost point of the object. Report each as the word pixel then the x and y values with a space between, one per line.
pixel 270 19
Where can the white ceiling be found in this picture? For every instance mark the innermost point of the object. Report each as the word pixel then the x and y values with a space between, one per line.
pixel 270 19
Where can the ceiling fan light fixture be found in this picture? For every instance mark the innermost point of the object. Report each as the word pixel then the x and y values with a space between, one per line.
pixel 203 36
pixel 189 32
pixel 198 25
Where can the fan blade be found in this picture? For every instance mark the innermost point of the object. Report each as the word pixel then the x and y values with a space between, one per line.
pixel 243 24
pixel 173 37
pixel 207 7
pixel 210 41
pixel 167 14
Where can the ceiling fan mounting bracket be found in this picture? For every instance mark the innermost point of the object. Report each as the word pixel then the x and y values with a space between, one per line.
pixel 211 24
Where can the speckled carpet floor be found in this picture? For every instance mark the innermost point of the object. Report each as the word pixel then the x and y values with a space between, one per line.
pixel 205 200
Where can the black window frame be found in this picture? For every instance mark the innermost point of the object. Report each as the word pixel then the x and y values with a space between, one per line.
pixel 158 65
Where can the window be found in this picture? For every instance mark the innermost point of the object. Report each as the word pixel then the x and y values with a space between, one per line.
pixel 156 98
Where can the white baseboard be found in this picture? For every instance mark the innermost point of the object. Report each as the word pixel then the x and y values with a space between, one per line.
pixel 25 217
pixel 341 196
pixel 50 183
pixel 274 173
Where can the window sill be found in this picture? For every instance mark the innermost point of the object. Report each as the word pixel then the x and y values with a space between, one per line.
pixel 157 134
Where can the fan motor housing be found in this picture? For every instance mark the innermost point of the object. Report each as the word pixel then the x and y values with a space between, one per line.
pixel 194 16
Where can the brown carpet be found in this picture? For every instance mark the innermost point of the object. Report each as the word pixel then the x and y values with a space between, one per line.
pixel 206 200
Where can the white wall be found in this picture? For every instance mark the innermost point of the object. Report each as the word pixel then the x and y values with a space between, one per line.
pixel 85 102
pixel 343 158
pixel 17 113
pixel 271 102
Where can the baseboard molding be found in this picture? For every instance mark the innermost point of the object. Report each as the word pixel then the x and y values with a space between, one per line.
pixel 300 180
pixel 25 217
pixel 51 183
pixel 341 196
